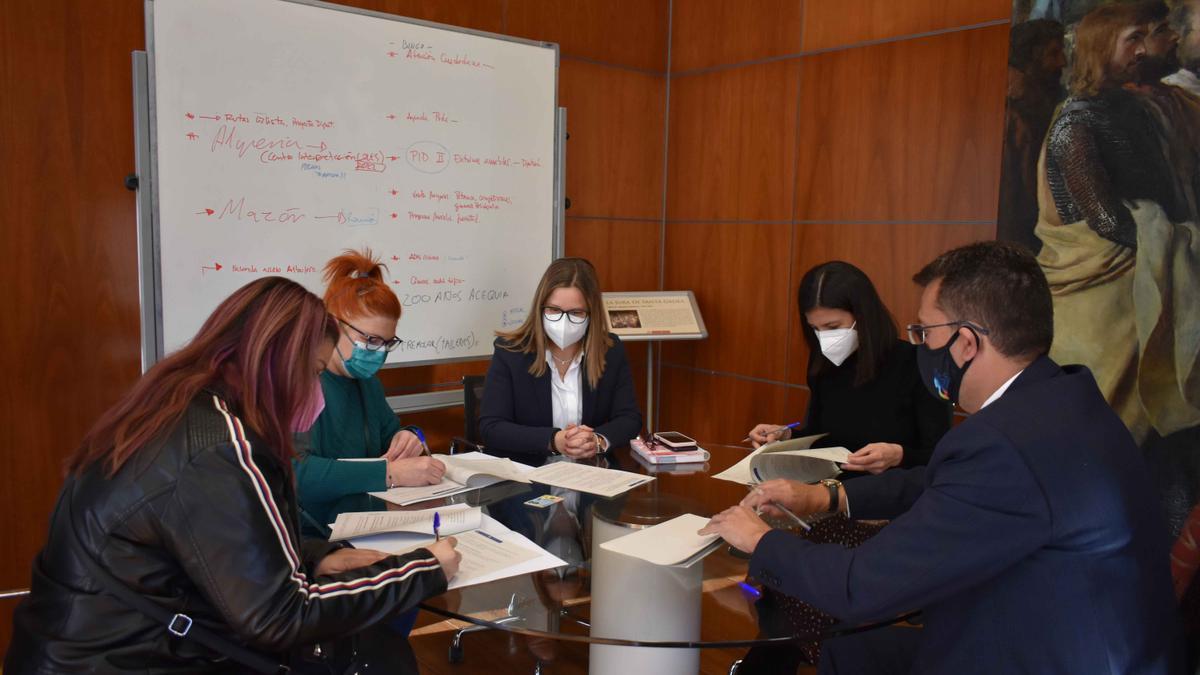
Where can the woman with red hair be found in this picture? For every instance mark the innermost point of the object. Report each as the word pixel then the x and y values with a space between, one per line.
pixel 175 547
pixel 357 422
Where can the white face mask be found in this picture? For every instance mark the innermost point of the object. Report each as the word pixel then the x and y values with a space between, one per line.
pixel 838 344
pixel 564 333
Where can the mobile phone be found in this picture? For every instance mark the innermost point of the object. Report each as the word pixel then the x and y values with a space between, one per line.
pixel 675 440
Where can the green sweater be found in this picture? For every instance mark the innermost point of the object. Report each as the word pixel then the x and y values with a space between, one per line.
pixel 357 423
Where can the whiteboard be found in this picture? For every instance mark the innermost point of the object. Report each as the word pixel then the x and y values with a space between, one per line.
pixel 285 131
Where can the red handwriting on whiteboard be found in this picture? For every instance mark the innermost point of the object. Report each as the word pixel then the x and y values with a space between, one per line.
pixel 228 138
pixel 437 117
pixel 368 164
pixel 460 60
pixel 236 209
pixel 497 161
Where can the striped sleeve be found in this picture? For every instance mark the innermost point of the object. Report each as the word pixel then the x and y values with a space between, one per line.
pixel 232 539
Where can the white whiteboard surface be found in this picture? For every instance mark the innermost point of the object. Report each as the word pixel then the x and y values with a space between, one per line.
pixel 285 132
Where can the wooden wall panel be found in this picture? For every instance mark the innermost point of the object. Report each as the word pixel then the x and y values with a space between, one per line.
pixel 630 33
pixel 904 131
pixel 731 144
pixel 615 118
pixel 707 33
pixel 889 253
pixel 715 409
pixel 739 273
pixel 833 23
pixel 625 252
pixel 69 337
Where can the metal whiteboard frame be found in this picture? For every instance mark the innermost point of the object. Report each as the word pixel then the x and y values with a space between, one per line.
pixel 146 157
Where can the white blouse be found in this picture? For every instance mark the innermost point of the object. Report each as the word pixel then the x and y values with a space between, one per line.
pixel 566 392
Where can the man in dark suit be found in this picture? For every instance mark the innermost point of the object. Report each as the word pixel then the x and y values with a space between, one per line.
pixel 1032 541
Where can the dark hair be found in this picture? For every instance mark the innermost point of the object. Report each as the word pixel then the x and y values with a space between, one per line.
pixel 999 286
pixel 840 285
pixel 1152 10
pixel 258 348
pixel 1028 37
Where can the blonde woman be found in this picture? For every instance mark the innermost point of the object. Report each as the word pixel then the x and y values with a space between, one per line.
pixel 560 383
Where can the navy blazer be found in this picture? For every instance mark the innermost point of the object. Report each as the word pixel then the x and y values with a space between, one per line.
pixel 516 418
pixel 1033 541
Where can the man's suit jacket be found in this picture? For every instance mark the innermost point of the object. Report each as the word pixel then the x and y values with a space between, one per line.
pixel 1033 541
pixel 516 418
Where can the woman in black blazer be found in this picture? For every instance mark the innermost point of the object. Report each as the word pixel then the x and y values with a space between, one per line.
pixel 560 383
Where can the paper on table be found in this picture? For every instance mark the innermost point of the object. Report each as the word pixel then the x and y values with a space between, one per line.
pixel 362 459
pixel 742 472
pixel 674 542
pixel 586 478
pixel 411 495
pixel 507 554
pixel 481 470
pixel 358 524
pixel 464 473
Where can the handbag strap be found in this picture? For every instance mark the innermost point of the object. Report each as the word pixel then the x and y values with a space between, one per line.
pixel 177 623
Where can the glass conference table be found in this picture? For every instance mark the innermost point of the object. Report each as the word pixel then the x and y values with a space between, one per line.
pixel 635 616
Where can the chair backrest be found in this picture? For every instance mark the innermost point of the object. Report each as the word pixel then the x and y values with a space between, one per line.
pixel 472 397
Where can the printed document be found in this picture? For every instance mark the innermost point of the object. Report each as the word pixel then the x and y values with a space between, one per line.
pixel 464 473
pixel 586 478
pixel 452 521
pixel 489 553
pixel 674 542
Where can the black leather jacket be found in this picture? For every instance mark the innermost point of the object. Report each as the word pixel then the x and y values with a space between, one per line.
pixel 204 523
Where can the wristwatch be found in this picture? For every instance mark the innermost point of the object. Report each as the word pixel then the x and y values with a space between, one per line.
pixel 835 488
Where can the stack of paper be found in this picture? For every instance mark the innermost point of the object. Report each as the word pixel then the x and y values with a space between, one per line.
pixel 359 524
pixel 795 459
pixel 586 478
pixel 674 542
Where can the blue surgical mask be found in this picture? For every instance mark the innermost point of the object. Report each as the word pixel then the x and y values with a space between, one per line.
pixel 363 363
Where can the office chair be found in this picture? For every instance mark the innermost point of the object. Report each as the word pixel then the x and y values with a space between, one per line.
pixel 470 441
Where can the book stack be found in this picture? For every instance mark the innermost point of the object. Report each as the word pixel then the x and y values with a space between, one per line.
pixel 661 454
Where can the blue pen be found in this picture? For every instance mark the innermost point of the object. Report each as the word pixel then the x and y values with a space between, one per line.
pixel 437 526
pixel 776 430
pixel 750 590
pixel 421 437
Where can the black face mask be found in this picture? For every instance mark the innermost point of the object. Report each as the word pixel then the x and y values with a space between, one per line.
pixel 941 375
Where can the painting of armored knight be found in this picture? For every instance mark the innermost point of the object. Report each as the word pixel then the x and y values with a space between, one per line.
pixel 1101 178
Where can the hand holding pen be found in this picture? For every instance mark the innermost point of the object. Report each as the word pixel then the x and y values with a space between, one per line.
pixel 761 505
pixel 443 549
pixel 421 437
pixel 781 497
pixel 406 443
pixel 766 433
